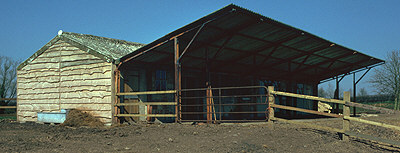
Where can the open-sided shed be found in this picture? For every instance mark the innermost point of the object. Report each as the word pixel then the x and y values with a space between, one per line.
pixel 232 47
pixel 235 47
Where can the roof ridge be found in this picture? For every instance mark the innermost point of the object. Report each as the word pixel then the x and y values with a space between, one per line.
pixel 111 39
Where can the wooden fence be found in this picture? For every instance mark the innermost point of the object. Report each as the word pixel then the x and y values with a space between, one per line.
pixel 8 107
pixel 345 131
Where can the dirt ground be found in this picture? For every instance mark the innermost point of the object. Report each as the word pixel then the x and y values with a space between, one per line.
pixel 173 137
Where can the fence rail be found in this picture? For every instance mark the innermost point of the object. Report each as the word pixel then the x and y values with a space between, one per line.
pixel 145 93
pixel 145 104
pixel 8 107
pixel 307 97
pixel 306 110
pixel 345 131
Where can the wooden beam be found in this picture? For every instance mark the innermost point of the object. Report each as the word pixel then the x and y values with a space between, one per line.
pixel 145 93
pixel 373 123
pixel 8 107
pixel 1 99
pixel 380 109
pixel 313 126
pixel 146 103
pixel 308 97
pixel 306 111
pixel 395 145
pixel 146 115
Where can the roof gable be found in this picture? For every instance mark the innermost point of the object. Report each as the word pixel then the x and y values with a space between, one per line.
pixel 107 49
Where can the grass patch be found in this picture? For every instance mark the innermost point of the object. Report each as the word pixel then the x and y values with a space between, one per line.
pixel 383 104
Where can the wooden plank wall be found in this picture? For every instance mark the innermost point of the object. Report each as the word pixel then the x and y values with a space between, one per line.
pixel 65 77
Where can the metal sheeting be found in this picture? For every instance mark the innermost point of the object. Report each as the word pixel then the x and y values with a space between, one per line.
pixel 239 41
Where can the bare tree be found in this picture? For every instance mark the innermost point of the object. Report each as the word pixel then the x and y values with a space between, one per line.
pixel 327 92
pixel 363 92
pixel 322 92
pixel 8 78
pixel 386 78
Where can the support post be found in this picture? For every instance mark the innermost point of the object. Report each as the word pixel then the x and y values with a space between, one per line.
pixel 114 96
pixel 121 88
pixel 337 92
pixel 354 94
pixel 116 91
pixel 346 114
pixel 355 88
pixel 271 101
pixel 336 95
pixel 178 78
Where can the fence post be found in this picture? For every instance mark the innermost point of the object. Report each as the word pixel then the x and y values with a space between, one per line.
pixel 346 113
pixel 271 101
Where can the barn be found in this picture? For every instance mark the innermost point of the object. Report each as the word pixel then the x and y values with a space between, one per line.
pixel 71 71
pixel 215 68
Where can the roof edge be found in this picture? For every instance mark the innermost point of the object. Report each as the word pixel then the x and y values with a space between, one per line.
pixel 192 25
pixel 39 52
pixel 67 40
pixel 229 8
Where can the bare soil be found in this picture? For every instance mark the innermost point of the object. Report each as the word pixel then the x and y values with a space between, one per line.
pixel 173 137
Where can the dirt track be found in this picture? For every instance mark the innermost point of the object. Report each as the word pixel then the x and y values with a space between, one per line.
pixel 267 137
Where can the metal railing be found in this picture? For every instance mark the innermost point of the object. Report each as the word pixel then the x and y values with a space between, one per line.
pixel 205 104
pixel 225 104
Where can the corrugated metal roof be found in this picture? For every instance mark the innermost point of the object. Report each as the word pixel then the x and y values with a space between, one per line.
pixel 107 49
pixel 243 42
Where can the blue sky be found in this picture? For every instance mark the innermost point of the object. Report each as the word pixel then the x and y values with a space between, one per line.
pixel 372 27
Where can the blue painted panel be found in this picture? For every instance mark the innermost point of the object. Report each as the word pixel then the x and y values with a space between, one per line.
pixel 52 117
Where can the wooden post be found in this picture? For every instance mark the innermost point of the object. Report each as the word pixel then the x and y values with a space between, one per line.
pixel 271 101
pixel 354 94
pixel 346 113
pixel 336 96
pixel 113 93
pixel 115 90
pixel 178 78
pixel 208 102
